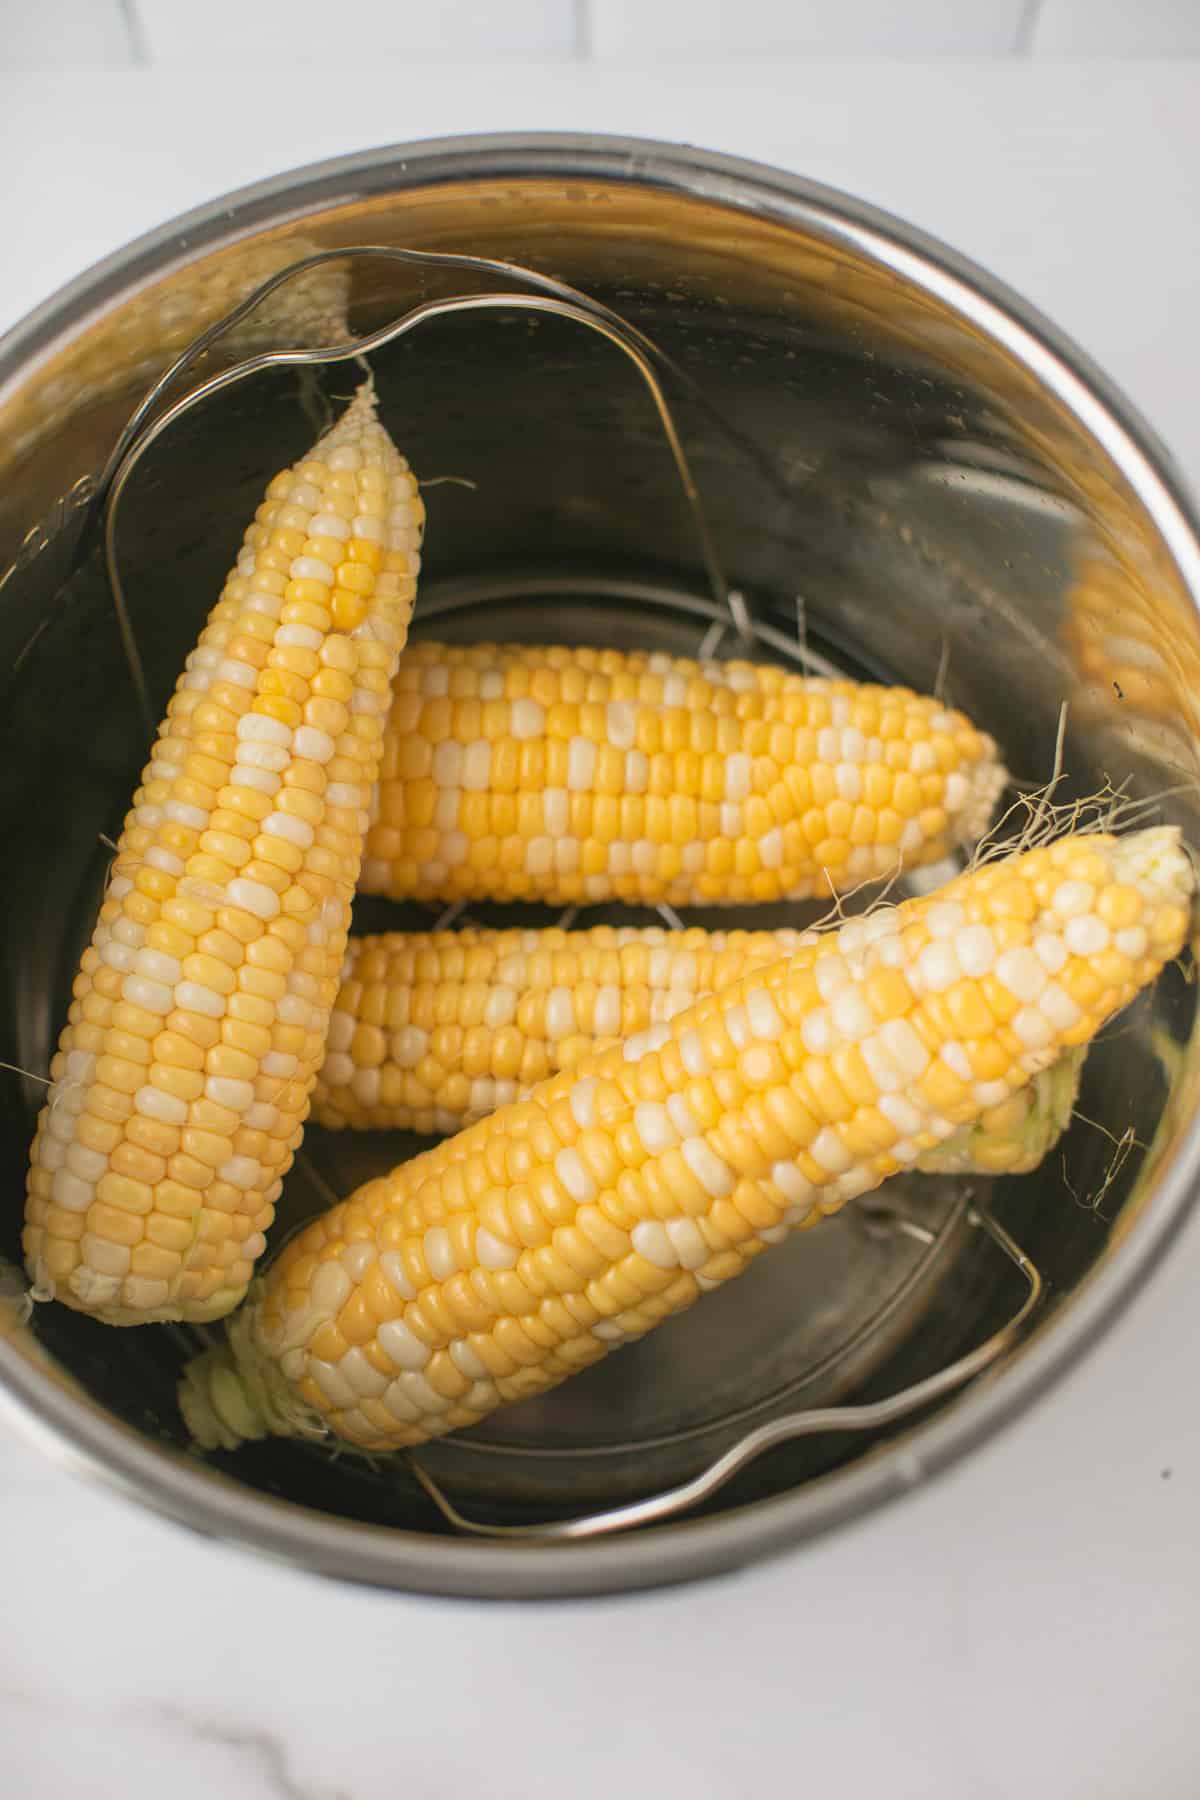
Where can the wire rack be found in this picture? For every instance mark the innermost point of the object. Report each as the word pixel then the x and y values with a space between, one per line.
pixel 716 615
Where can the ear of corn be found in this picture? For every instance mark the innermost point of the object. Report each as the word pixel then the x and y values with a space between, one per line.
pixel 432 1031
pixel 586 775
pixel 199 1014
pixel 496 1264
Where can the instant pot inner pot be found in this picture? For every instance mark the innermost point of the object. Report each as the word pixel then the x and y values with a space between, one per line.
pixel 893 518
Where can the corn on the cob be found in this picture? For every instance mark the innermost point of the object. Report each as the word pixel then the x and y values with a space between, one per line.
pixel 499 1262
pixel 1015 1136
pixel 562 775
pixel 184 1073
pixel 432 1031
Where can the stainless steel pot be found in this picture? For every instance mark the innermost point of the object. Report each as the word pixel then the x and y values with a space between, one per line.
pixel 948 485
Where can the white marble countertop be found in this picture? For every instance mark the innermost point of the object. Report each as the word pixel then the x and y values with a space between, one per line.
pixel 1030 1624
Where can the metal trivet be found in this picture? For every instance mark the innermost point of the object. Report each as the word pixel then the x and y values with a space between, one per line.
pixel 723 611
pixel 874 1416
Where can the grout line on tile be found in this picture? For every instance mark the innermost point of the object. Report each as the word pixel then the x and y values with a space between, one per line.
pixel 1027 26
pixel 582 31
pixel 135 32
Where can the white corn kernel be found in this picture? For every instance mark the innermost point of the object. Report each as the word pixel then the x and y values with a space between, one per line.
pixel 581 764
pixel 71 1191
pixel 850 1015
pixel 106 1258
pixel 425 1397
pixel 242 1172
pixel 151 996
pixel 1050 951
pixel 399 1405
pixel 1059 1008
pixel 492 1252
pixel 294 831
pixel 155 965
pixel 714 1175
pixel 901 1043
pixel 575 1176
pixel 1033 1028
pixel 606 1016
pixel 621 724
pixel 1086 935
pixel 332 1383
pixel 653 1125
pixel 681 1116
pixel 688 1242
pixel 166 860
pixel 937 967
pixel 392 1264
pixel 193 996
pixel 763 1015
pixel 528 718
pixel 259 728
pixel 650 1240
pixel 363 1377
pixel 302 637
pixel 313 745
pixel 238 1096
pixel 1072 898
pixel 738 776
pixel 152 1103
pixel 1022 974
pixel 438 1253
pixel 828 1150
pixel 329 1289
pixel 265 754
pixel 583 1102
pixel 253 897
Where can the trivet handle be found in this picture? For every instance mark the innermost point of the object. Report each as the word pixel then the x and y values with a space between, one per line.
pixel 673 1501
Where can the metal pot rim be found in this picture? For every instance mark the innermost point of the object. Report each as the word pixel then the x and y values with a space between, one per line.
pixel 78 1435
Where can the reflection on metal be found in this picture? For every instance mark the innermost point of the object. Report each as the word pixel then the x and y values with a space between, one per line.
pixel 559 589
pixel 873 1416
pixel 146 424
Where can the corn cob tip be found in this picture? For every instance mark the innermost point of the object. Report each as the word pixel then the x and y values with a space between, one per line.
pixel 234 1394
pixel 1015 1137
pixel 986 781
pixel 1157 861
pixel 215 1402
pixel 362 411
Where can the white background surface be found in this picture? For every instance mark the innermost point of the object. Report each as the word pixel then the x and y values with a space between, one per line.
pixel 1028 1626
pixel 105 33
